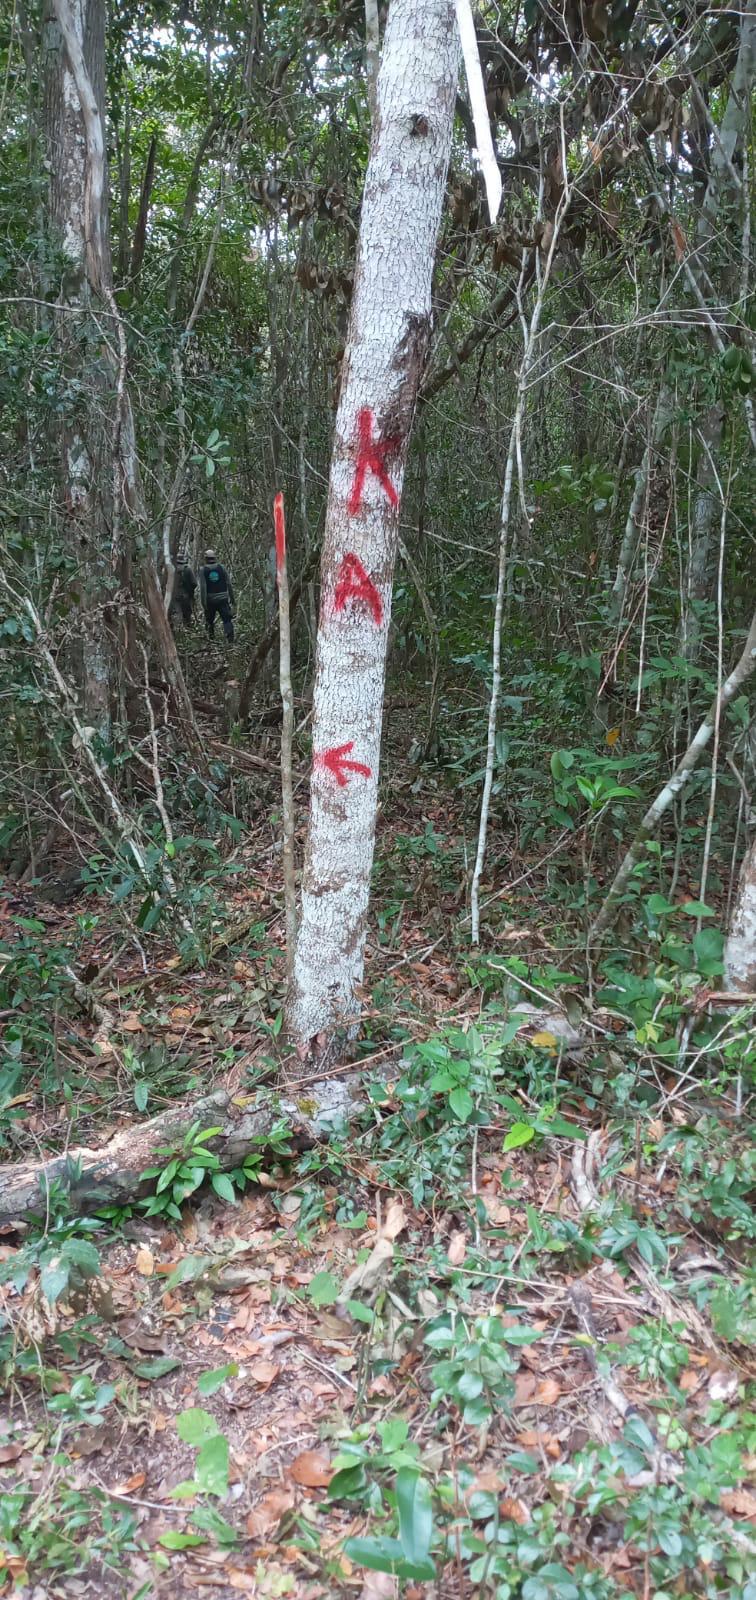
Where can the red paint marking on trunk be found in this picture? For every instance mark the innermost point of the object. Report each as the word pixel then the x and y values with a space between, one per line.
pixel 371 457
pixel 354 583
pixel 335 761
pixel 279 523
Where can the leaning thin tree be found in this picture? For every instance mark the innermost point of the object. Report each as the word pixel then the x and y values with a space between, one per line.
pixel 383 365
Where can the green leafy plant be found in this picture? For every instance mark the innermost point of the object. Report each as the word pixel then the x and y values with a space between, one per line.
pixel 183 1172
pixel 408 1555
pixel 627 1233
pixel 356 1455
pixel 732 1308
pixel 212 454
pixel 544 1124
pixel 62 1253
pixel 717 1183
pixel 33 990
pixel 581 774
pixel 391 1482
pixel 84 1403
pixel 40 1535
pixel 463 1063
pixel 476 1371
pixel 276 1143
pixel 655 1350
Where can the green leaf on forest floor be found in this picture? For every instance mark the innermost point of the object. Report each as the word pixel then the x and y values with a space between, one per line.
pixel 224 1188
pixel 413 1501
pixel 461 1103
pixel 519 1134
pixel 172 1540
pixel 387 1555
pixel 323 1289
pixel 209 1382
pixel 158 1367
pixel 194 1425
pixel 187 1270
pixel 211 1470
pixel 211 1521
pixel 360 1313
pixel 520 1335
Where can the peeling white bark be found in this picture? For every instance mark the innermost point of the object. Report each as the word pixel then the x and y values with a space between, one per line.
pixel 740 949
pixel 79 94
pixel 386 349
pixel 78 213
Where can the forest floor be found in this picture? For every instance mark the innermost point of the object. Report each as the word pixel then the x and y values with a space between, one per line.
pixel 502 1329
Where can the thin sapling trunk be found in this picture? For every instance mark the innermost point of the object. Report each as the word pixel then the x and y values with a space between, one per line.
pixel 287 734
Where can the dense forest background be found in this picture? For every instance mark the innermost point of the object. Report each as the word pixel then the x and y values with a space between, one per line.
pixel 557 1040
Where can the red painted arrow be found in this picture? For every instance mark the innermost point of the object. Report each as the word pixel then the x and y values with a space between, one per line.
pixel 335 761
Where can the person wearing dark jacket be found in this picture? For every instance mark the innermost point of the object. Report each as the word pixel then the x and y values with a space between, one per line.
pixel 217 595
pixel 183 594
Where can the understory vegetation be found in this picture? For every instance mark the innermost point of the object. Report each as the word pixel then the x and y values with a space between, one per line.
pixel 502 1327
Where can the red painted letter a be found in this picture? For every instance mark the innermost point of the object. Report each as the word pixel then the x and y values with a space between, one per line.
pixel 354 583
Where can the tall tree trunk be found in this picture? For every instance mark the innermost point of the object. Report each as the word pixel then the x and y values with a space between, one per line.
pixel 723 273
pixel 704 518
pixel 78 221
pixel 86 186
pixel 662 416
pixel 123 160
pixel 140 232
pixel 383 365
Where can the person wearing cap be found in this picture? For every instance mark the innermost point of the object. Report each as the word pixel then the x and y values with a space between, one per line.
pixel 217 595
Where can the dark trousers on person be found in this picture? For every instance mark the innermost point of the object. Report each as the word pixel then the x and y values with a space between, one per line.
pixel 220 608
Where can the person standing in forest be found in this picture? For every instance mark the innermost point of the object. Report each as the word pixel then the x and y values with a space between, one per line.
pixel 217 595
pixel 183 598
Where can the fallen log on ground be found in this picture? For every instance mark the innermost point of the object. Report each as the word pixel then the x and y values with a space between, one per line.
pixel 112 1174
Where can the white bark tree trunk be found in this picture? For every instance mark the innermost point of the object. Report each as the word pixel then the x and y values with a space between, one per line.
pixel 78 217
pixel 386 350
pixel 77 133
pixel 740 949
